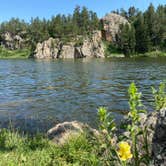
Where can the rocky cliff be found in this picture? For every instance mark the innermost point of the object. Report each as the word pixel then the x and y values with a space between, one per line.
pixel 12 42
pixel 111 24
pixel 55 48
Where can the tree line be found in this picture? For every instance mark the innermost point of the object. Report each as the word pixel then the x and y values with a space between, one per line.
pixel 146 31
pixel 81 22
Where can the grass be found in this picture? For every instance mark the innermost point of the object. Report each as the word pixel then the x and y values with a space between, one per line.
pixel 151 54
pixel 113 51
pixel 14 54
pixel 17 149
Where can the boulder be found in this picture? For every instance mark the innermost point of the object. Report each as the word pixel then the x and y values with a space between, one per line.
pixel 159 138
pixel 155 124
pixel 63 131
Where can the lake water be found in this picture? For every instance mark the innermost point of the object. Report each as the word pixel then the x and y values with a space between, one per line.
pixel 34 95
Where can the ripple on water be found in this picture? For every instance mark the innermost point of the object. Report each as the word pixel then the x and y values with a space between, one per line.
pixel 42 93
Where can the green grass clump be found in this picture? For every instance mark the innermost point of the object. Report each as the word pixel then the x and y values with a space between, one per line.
pixel 17 149
pixel 14 54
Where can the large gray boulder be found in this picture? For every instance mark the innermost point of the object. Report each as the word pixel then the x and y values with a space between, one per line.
pixel 62 132
pixel 159 139
pixel 155 124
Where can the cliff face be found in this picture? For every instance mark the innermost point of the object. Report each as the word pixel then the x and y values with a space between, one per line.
pixel 111 24
pixel 12 42
pixel 55 48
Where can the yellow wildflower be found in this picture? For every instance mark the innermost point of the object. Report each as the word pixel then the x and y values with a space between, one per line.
pixel 124 151
pixel 105 131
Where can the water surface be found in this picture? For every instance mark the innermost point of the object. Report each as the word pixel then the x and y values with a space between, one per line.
pixel 34 95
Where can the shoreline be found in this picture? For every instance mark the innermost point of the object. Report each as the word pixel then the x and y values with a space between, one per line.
pixel 25 54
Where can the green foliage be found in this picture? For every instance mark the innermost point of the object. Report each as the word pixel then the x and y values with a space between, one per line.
pixel 151 54
pixel 112 50
pixel 135 104
pixel 79 42
pixel 134 128
pixel 106 120
pixel 160 96
pixel 14 54
pixel 17 149
pixel 126 39
pixel 147 33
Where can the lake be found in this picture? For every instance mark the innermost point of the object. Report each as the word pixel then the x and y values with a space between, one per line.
pixel 35 95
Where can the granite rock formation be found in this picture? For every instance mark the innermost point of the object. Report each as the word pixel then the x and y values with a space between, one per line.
pixel 111 24
pixel 54 48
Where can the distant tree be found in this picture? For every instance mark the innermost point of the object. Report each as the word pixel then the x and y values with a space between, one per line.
pixel 123 13
pixel 152 24
pixel 126 39
pixel 161 21
pixel 143 43
pixel 94 21
pixel 132 12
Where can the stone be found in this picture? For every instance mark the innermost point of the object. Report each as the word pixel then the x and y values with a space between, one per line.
pixel 63 131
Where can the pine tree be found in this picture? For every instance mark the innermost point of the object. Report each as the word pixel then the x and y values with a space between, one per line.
pixel 126 39
pixel 143 43
pixel 152 24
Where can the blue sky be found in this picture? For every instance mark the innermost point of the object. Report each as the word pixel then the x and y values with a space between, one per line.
pixel 25 9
